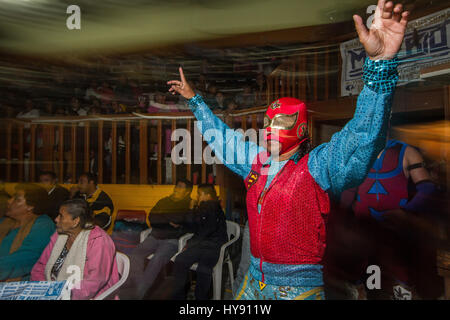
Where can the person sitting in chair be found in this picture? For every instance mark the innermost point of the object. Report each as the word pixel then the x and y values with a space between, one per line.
pixel 101 204
pixel 166 219
pixel 78 243
pixel 25 230
pixel 207 222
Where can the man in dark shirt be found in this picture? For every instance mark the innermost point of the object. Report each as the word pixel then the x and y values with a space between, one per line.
pixel 166 220
pixel 56 193
pixel 101 204
pixel 207 222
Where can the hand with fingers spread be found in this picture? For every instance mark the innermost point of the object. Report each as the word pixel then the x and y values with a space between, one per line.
pixel 385 36
pixel 182 87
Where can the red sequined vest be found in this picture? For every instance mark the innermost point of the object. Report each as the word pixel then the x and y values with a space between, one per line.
pixel 291 226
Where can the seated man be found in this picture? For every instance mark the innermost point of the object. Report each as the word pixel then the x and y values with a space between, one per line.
pixel 165 218
pixel 24 232
pixel 101 204
pixel 56 193
pixel 207 222
pixel 78 243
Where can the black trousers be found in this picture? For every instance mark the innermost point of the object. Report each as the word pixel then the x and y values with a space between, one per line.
pixel 207 257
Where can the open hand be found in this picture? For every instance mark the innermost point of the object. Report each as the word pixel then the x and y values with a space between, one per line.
pixel 182 87
pixel 385 37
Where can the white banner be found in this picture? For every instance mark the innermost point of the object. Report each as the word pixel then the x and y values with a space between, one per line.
pixel 34 290
pixel 427 39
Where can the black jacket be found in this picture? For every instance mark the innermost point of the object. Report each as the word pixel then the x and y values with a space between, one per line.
pixel 166 210
pixel 55 199
pixel 207 222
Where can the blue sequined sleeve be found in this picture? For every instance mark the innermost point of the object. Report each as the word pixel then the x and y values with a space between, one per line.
pixel 229 145
pixel 345 160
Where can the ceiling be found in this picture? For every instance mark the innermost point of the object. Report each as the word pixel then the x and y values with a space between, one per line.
pixel 39 26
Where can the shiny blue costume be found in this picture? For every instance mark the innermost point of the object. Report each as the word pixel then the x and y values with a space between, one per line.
pixel 337 165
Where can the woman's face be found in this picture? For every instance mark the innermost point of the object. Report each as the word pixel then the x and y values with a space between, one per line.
pixel 17 205
pixel 64 221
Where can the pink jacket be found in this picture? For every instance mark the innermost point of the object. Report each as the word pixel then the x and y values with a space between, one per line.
pixel 100 269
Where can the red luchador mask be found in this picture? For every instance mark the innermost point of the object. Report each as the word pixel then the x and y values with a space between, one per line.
pixel 286 121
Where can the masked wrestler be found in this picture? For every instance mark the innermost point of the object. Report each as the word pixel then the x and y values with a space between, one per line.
pixel 392 210
pixel 287 184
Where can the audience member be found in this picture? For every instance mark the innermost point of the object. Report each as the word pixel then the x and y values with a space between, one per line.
pixel 77 242
pixel 207 222
pixel 246 99
pixel 123 91
pixel 92 91
pixel 25 231
pixel 261 92
pixel 75 108
pixel 106 93
pixel 48 108
pixel 166 219
pixel 30 111
pixel 220 101
pixel 100 203
pixel 56 193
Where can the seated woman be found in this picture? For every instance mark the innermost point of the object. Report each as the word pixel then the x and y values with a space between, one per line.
pixel 25 231
pixel 77 242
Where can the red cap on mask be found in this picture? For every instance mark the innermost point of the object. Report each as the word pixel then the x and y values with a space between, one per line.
pixel 286 121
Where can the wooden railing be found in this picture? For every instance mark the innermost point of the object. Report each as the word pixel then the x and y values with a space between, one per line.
pixel 132 147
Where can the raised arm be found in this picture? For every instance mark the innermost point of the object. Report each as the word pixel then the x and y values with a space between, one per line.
pixel 344 161
pixel 229 145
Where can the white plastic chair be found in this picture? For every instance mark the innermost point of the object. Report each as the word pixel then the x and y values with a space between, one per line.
pixel 233 229
pixel 123 266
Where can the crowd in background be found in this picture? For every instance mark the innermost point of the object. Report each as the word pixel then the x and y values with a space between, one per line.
pixel 122 96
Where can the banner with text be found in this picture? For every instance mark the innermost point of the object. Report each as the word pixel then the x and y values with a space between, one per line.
pixel 427 43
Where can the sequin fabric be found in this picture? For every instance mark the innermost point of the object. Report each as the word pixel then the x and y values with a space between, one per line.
pixel 345 160
pixel 250 290
pixel 290 229
pixel 297 275
pixel 381 75
pixel 228 145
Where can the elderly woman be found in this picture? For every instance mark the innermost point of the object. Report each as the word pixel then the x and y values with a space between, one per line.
pixel 78 247
pixel 25 231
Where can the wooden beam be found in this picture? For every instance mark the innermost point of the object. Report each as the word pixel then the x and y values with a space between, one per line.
pixel 316 76
pixel 127 152
pixel 294 78
pixel 188 151
pixel 203 163
pixel 254 122
pixel 143 154
pixel 269 89
pixel 244 123
pixel 100 152
pixel 159 155
pixel 174 167
pixel 326 74
pixel 114 152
